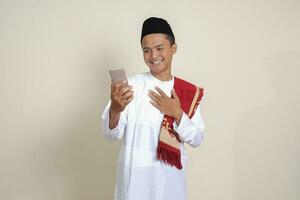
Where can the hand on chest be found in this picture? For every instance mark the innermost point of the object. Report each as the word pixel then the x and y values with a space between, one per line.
pixel 145 112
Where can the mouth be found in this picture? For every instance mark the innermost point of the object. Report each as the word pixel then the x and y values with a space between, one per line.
pixel 156 62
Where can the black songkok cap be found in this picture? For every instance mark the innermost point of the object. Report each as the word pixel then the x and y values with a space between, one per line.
pixel 156 25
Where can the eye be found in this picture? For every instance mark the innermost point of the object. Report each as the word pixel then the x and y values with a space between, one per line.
pixel 146 50
pixel 159 48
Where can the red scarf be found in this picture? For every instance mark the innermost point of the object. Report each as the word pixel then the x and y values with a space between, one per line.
pixel 168 149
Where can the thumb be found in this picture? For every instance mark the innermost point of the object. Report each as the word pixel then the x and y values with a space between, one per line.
pixel 175 94
pixel 112 88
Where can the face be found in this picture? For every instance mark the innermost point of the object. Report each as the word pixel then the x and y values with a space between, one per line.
pixel 158 54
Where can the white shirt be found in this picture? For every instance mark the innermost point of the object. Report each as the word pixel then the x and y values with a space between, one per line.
pixel 140 175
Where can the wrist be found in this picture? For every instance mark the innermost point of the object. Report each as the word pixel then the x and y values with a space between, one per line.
pixel 178 116
pixel 113 113
pixel 113 118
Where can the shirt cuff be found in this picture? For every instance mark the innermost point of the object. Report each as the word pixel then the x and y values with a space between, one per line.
pixel 114 133
pixel 183 124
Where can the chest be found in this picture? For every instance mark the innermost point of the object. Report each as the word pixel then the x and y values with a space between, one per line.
pixel 141 110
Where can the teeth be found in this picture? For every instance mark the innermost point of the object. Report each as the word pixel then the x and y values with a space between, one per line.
pixel 156 62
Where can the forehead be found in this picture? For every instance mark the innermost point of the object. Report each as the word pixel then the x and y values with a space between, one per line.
pixel 154 39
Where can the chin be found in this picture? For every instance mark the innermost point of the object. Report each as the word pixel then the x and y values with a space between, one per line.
pixel 156 67
pixel 156 70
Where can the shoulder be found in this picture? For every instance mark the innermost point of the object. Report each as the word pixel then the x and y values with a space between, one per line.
pixel 185 83
pixel 187 87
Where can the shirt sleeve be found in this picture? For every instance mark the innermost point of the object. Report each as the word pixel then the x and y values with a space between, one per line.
pixel 117 132
pixel 191 130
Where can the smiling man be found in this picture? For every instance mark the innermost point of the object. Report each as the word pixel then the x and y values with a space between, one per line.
pixel 155 114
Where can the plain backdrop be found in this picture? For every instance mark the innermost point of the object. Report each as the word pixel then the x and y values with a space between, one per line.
pixel 54 84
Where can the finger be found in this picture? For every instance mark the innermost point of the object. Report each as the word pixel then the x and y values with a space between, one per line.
pixel 155 94
pixel 155 97
pixel 114 90
pixel 175 94
pixel 127 101
pixel 162 94
pixel 127 95
pixel 119 83
pixel 114 86
pixel 111 87
pixel 125 89
pixel 155 105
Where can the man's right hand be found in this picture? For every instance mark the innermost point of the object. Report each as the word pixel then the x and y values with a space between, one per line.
pixel 121 95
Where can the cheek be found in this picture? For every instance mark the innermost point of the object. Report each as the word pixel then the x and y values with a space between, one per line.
pixel 146 57
pixel 167 55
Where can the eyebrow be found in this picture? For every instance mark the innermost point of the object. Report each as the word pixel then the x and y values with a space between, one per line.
pixel 159 45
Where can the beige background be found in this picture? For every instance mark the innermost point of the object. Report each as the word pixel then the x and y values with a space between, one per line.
pixel 54 84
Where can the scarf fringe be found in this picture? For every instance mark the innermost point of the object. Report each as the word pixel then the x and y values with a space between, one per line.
pixel 169 155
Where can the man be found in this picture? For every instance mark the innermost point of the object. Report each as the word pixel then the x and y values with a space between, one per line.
pixel 155 114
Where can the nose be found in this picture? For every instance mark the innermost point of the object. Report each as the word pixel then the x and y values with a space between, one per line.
pixel 154 54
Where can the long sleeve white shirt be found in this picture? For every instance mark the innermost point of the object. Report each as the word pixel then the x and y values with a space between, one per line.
pixel 140 176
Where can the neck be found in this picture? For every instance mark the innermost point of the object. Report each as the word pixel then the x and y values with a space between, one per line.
pixel 162 77
pixel 167 76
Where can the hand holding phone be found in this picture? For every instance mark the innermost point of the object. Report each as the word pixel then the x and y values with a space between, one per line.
pixel 121 92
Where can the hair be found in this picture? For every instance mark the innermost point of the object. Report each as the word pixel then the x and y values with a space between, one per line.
pixel 171 39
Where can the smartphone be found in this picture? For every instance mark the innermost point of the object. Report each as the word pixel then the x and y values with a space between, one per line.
pixel 118 75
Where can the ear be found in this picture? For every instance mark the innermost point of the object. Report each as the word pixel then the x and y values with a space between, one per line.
pixel 174 48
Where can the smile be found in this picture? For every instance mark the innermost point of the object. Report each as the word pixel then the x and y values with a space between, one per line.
pixel 156 62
